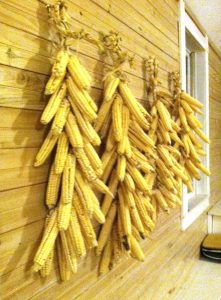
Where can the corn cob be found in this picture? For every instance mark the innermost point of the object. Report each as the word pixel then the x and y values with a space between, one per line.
pixel 145 218
pixel 203 168
pixel 131 102
pixel 125 125
pixel 106 229
pixel 191 100
pixel 78 73
pixel 113 184
pixel 61 153
pixel 105 126
pixel 116 244
pixel 85 126
pixel 85 165
pixel 47 242
pixel 98 215
pixel 103 114
pixel 110 142
pixel 192 169
pixel 47 267
pixel 53 105
pixel 100 186
pixel 136 250
pixel 138 178
pixel 183 119
pixel 164 115
pixel 60 117
pixel 108 169
pixel 68 179
pixel 93 158
pixel 128 180
pixel 202 135
pixel 76 235
pixel 161 200
pixel 129 199
pixel 64 269
pixel 124 214
pixel 67 252
pixel 117 118
pixel 193 121
pixel 121 167
pixel 84 188
pixel 58 72
pixel 45 149
pixel 84 220
pixel 73 132
pixel 110 87
pixel 64 214
pixel 80 100
pixel 105 259
pixel 53 188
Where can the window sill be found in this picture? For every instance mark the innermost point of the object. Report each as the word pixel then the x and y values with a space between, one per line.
pixel 195 212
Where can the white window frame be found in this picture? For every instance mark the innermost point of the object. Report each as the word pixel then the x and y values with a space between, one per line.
pixel 201 196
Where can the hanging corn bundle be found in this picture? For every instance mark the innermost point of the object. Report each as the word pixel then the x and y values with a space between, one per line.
pixel 169 173
pixel 76 168
pixel 126 170
pixel 190 133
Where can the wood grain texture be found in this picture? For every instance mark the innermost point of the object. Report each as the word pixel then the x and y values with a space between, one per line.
pixel 148 27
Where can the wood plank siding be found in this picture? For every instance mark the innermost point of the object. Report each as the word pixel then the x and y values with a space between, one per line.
pixel 147 27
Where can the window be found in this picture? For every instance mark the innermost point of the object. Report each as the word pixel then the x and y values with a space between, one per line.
pixel 195 81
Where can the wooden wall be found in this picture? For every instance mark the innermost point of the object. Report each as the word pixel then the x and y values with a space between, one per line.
pixel 148 28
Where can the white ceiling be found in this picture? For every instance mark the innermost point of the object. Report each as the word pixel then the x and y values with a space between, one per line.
pixel 208 13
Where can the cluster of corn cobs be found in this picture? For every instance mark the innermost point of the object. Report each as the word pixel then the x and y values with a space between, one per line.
pixel 75 171
pixel 128 164
pixel 147 159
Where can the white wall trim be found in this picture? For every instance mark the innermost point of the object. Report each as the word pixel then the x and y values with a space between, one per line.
pixel 192 215
pixel 186 23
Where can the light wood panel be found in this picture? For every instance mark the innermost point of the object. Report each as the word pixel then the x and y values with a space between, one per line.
pixel 148 28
